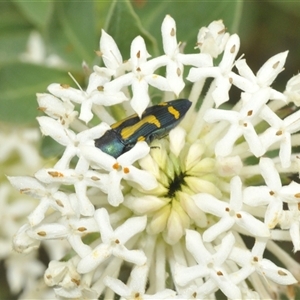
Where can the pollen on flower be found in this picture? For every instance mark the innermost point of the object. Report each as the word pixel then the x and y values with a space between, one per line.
pixel 42 233
pixel 116 166
pixel 76 281
pixel 126 170
pixel 55 174
pixel 59 203
pixel 282 273
pixel 81 229
pixel 64 85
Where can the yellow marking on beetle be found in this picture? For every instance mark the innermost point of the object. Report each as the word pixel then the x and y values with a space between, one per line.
pixel 128 131
pixel 163 104
pixel 117 124
pixel 174 112
pixel 141 138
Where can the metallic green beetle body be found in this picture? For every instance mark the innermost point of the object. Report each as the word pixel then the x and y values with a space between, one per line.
pixel 156 122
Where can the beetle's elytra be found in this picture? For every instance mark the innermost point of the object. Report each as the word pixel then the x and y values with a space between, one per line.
pixel 156 122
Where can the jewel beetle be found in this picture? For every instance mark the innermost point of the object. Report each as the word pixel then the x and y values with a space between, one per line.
pixel 155 122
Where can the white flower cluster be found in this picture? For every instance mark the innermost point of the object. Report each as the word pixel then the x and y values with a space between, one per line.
pixel 181 213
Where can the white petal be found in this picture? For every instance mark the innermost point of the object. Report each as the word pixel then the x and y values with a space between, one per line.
pixel 225 145
pixel 269 71
pixel 140 99
pixel 94 259
pixel 133 256
pixel 111 54
pixel 273 213
pixel 257 195
pixel 117 286
pixel 67 93
pixel 138 52
pixel 130 227
pixel 252 225
pixel 102 218
pixel 276 274
pixel 269 173
pixel 28 185
pixel 115 195
pixel 195 246
pixel 54 129
pixel 168 31
pixel 217 229
pixel 140 150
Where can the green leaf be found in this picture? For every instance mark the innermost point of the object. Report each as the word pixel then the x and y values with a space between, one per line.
pixel 14 32
pixel 72 34
pixel 124 25
pixel 50 148
pixel 37 13
pixel 19 84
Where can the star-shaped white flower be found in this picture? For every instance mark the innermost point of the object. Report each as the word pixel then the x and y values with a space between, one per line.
pixel 121 168
pixel 213 38
pixel 57 109
pixel 72 228
pixel 290 219
pixel 241 124
pixel 67 282
pixel 111 56
pixel 136 287
pixel 292 91
pixel 81 178
pixel 221 73
pixel 273 194
pixel 113 242
pixel 248 82
pixel 254 262
pixel 174 59
pixel 209 266
pixel 230 214
pixel 141 76
pixel 94 94
pixel 280 131
pixel 69 139
pixel 49 197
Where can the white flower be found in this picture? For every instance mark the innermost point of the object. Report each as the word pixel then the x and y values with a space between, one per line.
pixel 137 285
pixel 57 109
pixel 141 76
pixel 293 90
pixel 241 124
pixel 175 218
pixel 68 138
pixel 67 282
pixel 253 261
pixel 213 38
pixel 208 266
pixel 230 214
pixel 94 95
pixel 281 131
pixel 49 197
pixel 174 59
pixel 290 219
pixel 111 55
pixel 265 76
pixel 272 194
pixel 222 73
pixel 121 168
pixel 113 242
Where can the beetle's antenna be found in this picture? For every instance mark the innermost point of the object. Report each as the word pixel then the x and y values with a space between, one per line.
pixel 76 82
